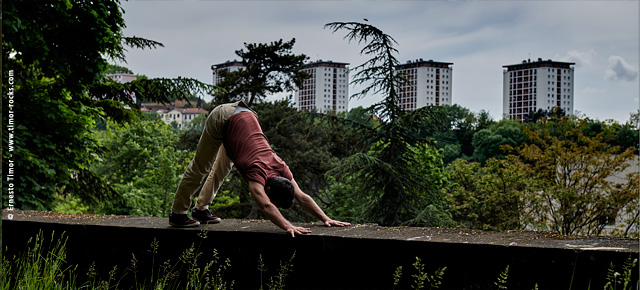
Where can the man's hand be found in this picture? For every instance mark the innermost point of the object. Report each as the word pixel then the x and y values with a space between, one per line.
pixel 298 230
pixel 330 223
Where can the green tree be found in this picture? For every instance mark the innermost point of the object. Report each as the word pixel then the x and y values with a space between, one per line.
pixel 268 69
pixel 50 69
pixel 428 164
pixel 362 116
pixel 612 133
pixel 574 170
pixel 629 134
pixel 541 115
pixel 560 183
pixel 493 196
pixel 454 132
pixel 112 68
pixel 141 162
pixel 56 55
pixel 489 143
pixel 397 193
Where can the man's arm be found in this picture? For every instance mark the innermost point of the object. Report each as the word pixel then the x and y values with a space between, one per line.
pixel 272 212
pixel 312 207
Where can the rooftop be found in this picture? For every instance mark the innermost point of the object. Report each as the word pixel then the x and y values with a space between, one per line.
pixel 424 63
pixel 540 63
pixel 326 63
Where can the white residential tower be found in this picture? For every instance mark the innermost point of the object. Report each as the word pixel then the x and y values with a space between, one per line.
pixel 533 85
pixel 427 83
pixel 229 66
pixel 327 88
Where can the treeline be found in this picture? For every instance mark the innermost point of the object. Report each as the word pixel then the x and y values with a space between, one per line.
pixel 552 175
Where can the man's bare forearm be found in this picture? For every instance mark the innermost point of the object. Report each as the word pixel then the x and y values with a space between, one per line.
pixel 272 212
pixel 275 216
pixel 310 205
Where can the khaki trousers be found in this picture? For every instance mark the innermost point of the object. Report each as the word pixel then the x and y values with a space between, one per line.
pixel 211 158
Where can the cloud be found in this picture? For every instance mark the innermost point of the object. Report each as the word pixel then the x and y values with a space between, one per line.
pixel 620 69
pixel 581 58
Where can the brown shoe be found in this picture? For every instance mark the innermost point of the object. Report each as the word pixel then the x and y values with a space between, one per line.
pixel 182 221
pixel 205 216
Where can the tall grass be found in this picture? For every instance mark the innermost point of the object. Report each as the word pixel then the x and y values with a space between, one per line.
pixel 615 280
pixel 42 267
pixel 421 276
pixel 622 281
pixel 277 282
pixel 39 267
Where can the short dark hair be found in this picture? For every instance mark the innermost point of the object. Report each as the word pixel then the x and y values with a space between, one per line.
pixel 280 191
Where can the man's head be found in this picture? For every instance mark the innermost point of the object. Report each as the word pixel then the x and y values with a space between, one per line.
pixel 280 191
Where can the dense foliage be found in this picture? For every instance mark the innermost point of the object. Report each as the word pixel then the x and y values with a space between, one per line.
pixel 51 75
pixel 57 54
pixel 141 163
pixel 557 179
pixel 577 194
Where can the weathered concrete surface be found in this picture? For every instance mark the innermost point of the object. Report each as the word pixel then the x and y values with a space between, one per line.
pixel 355 257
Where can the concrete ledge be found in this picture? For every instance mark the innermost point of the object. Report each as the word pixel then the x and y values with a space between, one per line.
pixel 356 257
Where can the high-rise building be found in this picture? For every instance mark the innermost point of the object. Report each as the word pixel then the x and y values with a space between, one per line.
pixel 533 85
pixel 425 83
pixel 326 89
pixel 229 66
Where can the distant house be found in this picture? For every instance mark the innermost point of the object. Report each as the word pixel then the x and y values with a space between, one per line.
pixel 161 112
pixel 182 116
pixel 189 113
pixel 174 112
pixel 173 116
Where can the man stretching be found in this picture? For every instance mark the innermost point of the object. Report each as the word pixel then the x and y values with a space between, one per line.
pixel 232 135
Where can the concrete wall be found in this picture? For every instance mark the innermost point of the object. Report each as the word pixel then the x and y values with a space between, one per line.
pixel 359 257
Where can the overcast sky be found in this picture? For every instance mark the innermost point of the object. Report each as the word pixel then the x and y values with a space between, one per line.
pixel 601 37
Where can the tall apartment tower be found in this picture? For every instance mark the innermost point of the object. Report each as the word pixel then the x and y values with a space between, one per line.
pixel 229 66
pixel 326 89
pixel 427 83
pixel 533 85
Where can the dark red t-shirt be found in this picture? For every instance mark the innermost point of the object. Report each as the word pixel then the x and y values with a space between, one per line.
pixel 249 149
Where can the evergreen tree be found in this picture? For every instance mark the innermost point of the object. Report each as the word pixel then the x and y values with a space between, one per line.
pixel 395 192
pixel 268 69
